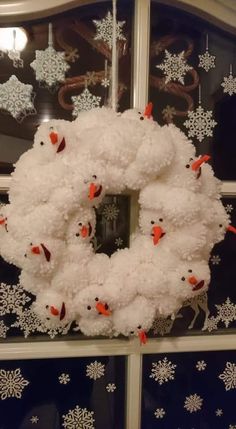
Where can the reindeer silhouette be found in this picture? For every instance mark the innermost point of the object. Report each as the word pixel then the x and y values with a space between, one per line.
pixel 199 302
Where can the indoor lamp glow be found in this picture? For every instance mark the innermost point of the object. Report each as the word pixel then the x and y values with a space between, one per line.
pixel 12 38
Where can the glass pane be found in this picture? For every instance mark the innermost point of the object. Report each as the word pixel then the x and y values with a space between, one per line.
pixel 189 390
pixel 89 62
pixel 177 40
pixel 56 393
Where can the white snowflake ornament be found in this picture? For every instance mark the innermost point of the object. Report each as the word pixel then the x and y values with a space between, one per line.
pixel 229 83
pixel 174 67
pixel 95 370
pixel 228 376
pixel 206 60
pixel 50 65
pixel 163 371
pixel 16 98
pixel 12 383
pixel 104 29
pixel 85 101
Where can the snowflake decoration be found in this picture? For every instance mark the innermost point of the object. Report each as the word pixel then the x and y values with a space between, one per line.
pixel 64 378
pixel 17 61
pixel 105 82
pixel 28 322
pixel 168 113
pixel 174 67
pixel 200 123
pixel 78 418
pixel 228 376
pixel 110 212
pixel 159 413
pixel 3 330
pixel 193 403
pixel 226 312
pixel 212 323
pixel 104 29
pixel 201 365
pixel 229 208
pixel 111 387
pixel 219 412
pixel 162 326
pixel 215 259
pixel 50 66
pixel 232 426
pixel 17 98
pixel 95 370
pixel 90 78
pixel 12 384
pixel 34 419
pixel 119 242
pixel 229 84
pixel 206 61
pixel 84 101
pixel 163 371
pixel 12 299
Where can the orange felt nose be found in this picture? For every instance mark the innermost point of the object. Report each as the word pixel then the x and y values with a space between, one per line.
pixel 156 232
pixel 92 190
pixel 54 311
pixel 2 221
pixel 231 229
pixel 53 137
pixel 148 110
pixel 192 280
pixel 143 337
pixel 84 231
pixel 197 164
pixel 35 250
pixel 100 307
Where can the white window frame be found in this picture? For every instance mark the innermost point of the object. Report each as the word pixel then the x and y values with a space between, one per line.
pixel 130 348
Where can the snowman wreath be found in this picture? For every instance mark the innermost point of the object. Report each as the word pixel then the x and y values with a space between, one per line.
pixel 47 227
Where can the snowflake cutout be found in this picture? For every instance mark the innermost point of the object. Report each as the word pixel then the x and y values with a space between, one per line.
pixel 28 322
pixel 228 376
pixel 206 61
pixel 64 378
pixel 201 365
pixel 105 82
pixel 174 67
pixel 159 413
pixel 193 403
pixel 229 84
pixel 90 78
pixel 3 329
pixel 162 326
pixel 212 323
pixel 78 418
pixel 12 299
pixel 17 98
pixel 111 387
pixel 215 259
pixel 110 212
pixel 95 370
pixel 119 242
pixel 34 419
pixel 50 66
pixel 226 312
pixel 12 384
pixel 219 412
pixel 229 208
pixel 84 101
pixel 163 371
pixel 200 123
pixel 168 113
pixel 104 29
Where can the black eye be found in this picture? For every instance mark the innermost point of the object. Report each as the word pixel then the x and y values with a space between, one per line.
pixel 187 166
pixel 46 306
pixel 220 225
pixel 132 332
pixel 94 176
pixel 141 118
pixel 25 255
pixel 190 271
pixel 96 299
pixel 80 224
pixel 48 318
pixel 161 220
pixel 42 143
pixel 139 326
pixel 183 278
pixel 152 222
pixel 31 244
pixel 139 113
pixel 50 128
pixel 77 234
pixel 88 308
pixel 190 159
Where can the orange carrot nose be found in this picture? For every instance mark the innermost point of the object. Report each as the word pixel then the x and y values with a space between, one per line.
pixel 84 231
pixel 2 221
pixel 192 280
pixel 35 250
pixel 231 228
pixel 143 337
pixel 197 164
pixel 148 110
pixel 53 137
pixel 101 308
pixel 157 232
pixel 54 311
pixel 92 190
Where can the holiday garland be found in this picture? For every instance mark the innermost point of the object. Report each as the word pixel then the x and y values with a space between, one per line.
pixel 47 228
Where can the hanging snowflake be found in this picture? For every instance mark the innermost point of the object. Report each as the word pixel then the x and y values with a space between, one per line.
pixel 78 418
pixel 104 29
pixel 193 403
pixel 17 61
pixel 12 384
pixel 206 60
pixel 229 83
pixel 228 376
pixel 84 101
pixel 50 65
pixel 17 98
pixel 105 82
pixel 174 67
pixel 200 123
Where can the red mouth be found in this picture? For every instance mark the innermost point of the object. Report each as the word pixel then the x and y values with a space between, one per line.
pixel 199 285
pixel 199 173
pixel 63 311
pixel 102 309
pixel 98 192
pixel 61 146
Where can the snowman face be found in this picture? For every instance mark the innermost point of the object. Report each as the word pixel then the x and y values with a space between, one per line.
pixel 192 278
pixel 38 250
pixel 194 165
pixel 49 140
pixel 82 227
pixel 153 223
pixel 89 303
pixel 94 187
pixel 51 308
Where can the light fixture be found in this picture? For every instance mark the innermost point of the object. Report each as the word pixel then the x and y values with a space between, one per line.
pixel 13 40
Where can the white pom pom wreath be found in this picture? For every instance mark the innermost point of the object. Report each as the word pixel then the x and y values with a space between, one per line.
pixel 47 228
